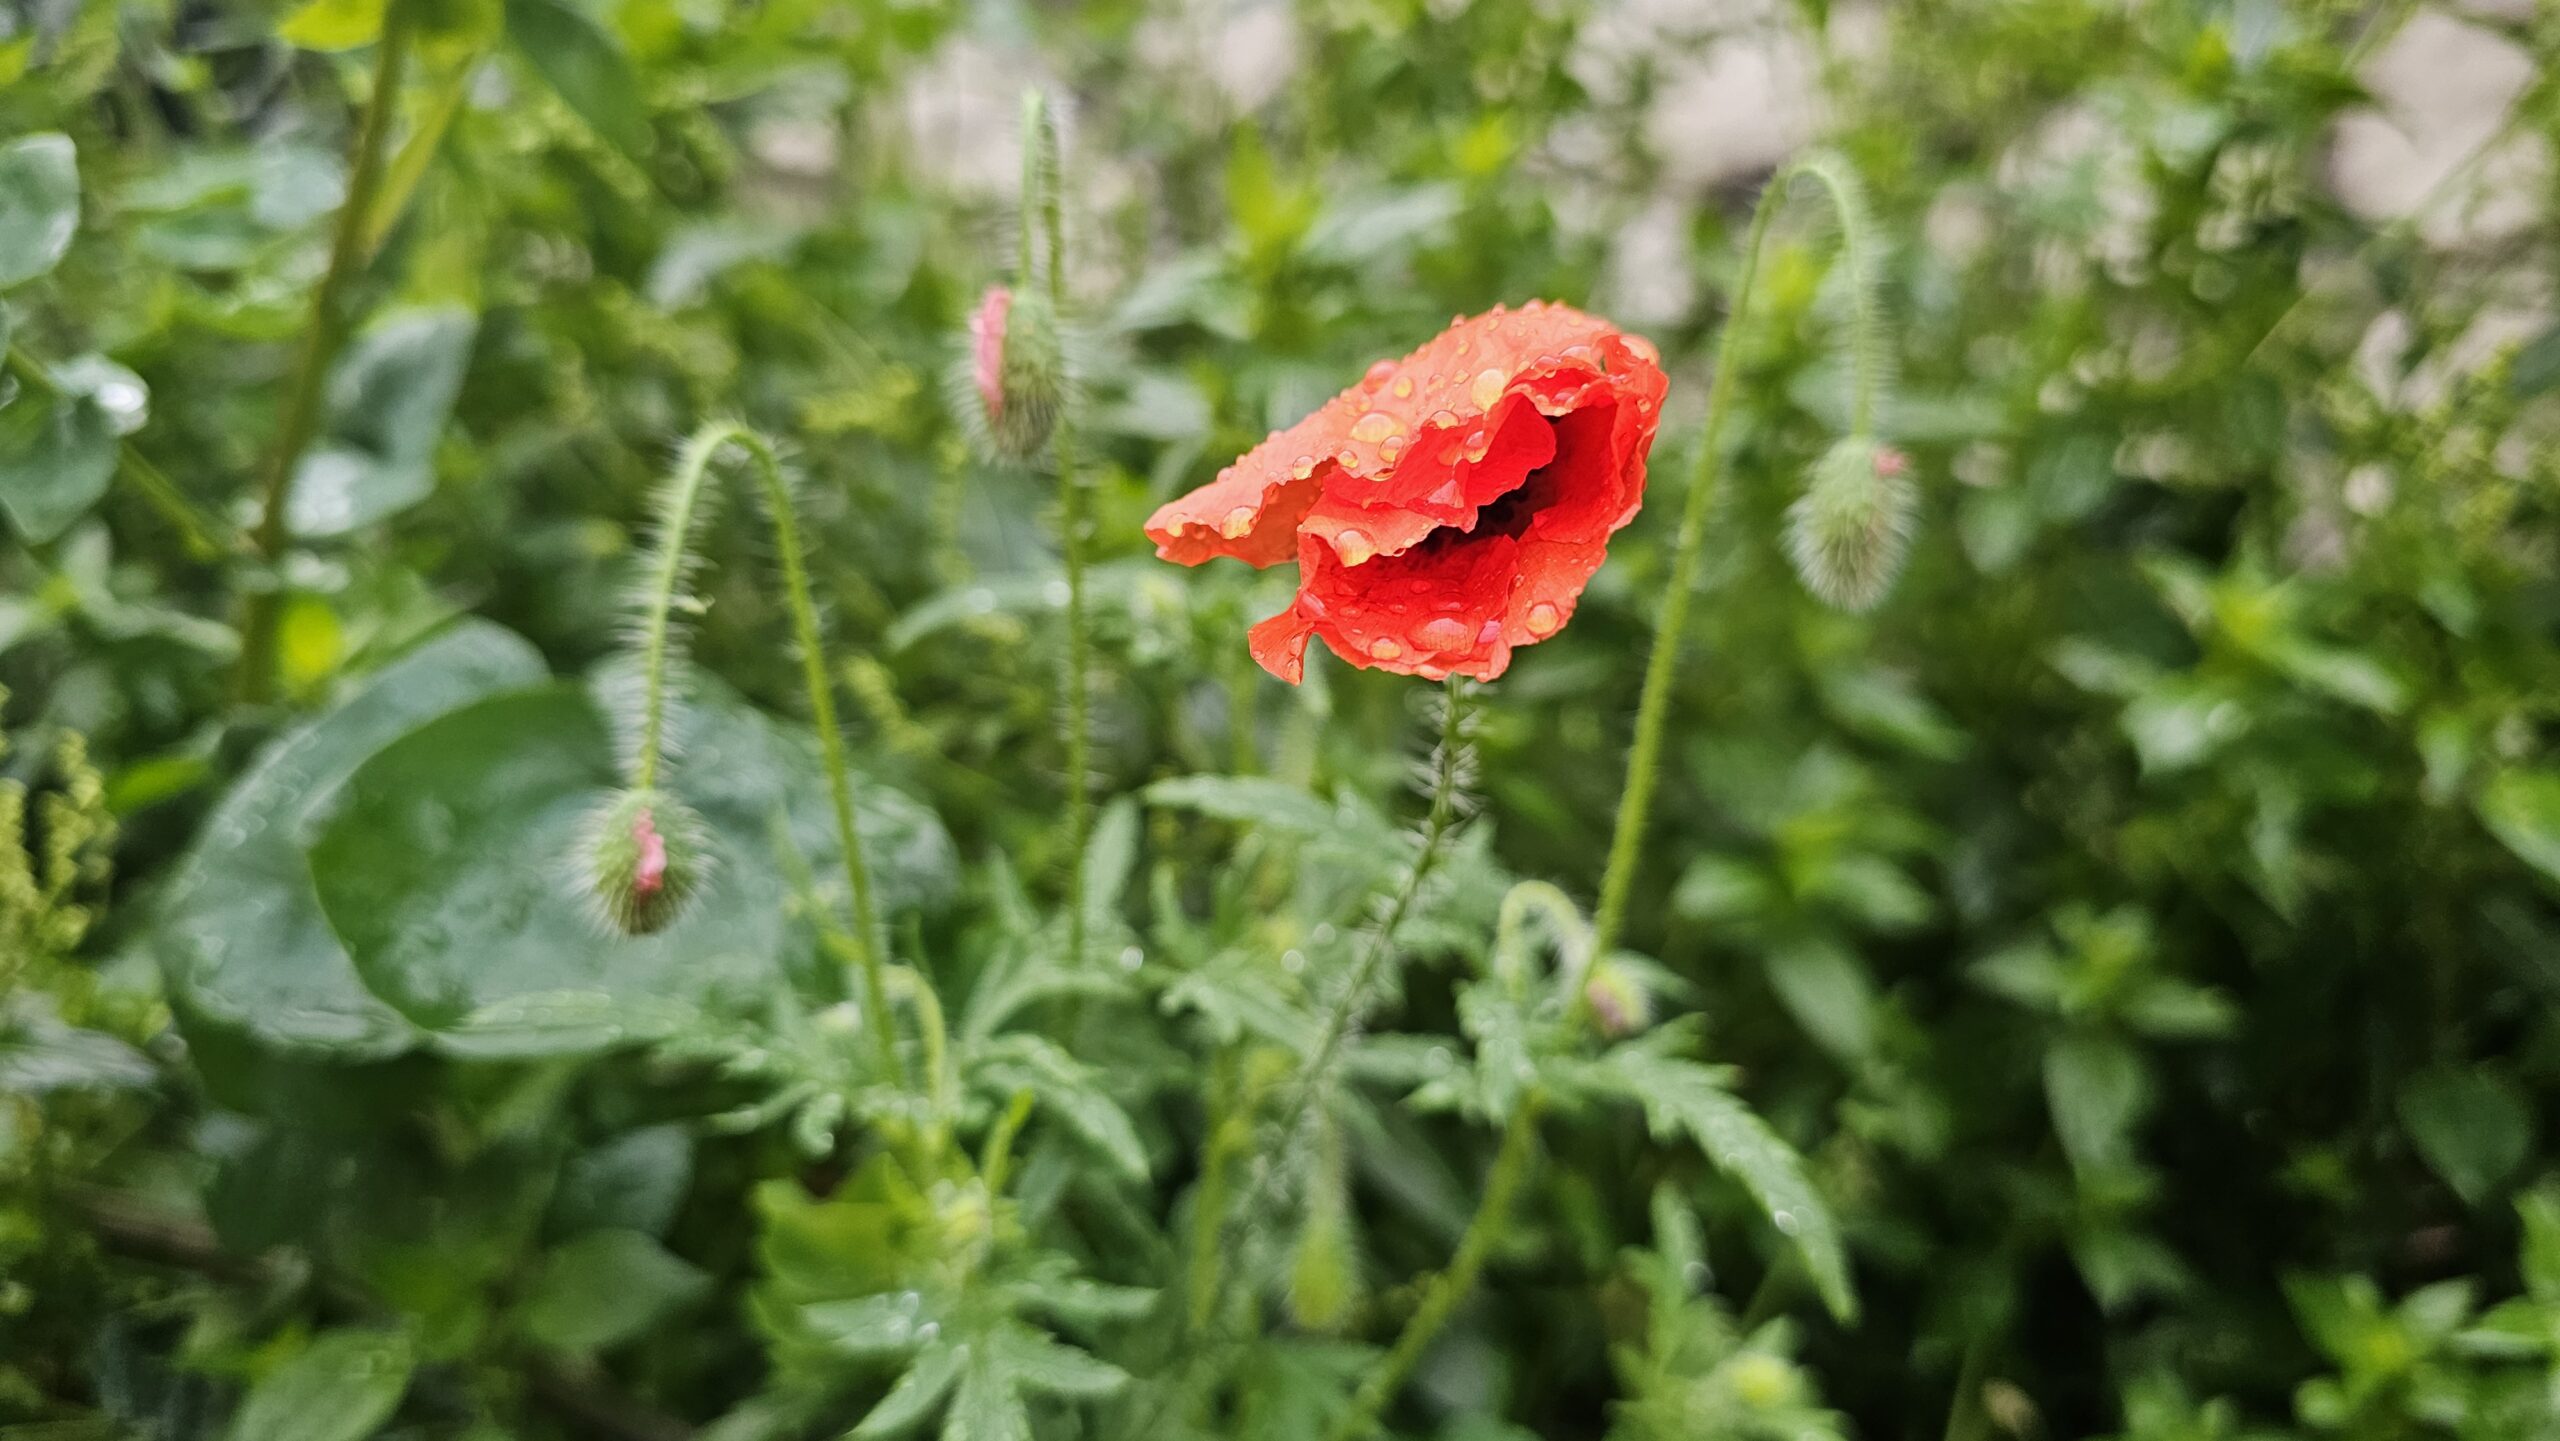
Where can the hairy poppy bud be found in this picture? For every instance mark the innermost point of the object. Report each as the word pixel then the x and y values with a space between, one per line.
pixel 1850 529
pixel 1620 1004
pixel 644 853
pixel 1017 371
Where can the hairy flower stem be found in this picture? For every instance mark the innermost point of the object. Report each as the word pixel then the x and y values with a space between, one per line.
pixel 1441 1297
pixel 1644 761
pixel 1041 209
pixel 322 334
pixel 666 575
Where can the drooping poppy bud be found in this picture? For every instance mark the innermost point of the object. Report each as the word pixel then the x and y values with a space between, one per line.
pixel 1620 1003
pixel 1850 529
pixel 645 856
pixel 1017 372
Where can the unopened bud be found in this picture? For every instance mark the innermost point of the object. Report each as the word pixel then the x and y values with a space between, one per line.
pixel 1850 529
pixel 1017 371
pixel 1620 1004
pixel 644 852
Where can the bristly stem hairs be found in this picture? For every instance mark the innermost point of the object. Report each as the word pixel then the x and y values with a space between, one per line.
pixel 682 508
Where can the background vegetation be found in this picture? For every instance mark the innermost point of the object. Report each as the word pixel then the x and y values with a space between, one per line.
pixel 2143 922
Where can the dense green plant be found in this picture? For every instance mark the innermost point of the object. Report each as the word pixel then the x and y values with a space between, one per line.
pixel 589 849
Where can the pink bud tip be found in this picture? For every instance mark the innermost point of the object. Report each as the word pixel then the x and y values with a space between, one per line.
pixel 649 876
pixel 1891 462
pixel 986 334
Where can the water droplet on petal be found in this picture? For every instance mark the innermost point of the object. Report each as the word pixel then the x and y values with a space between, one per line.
pixel 1390 448
pixel 1486 388
pixel 1377 425
pixel 1544 618
pixel 1385 648
pixel 1378 374
pixel 1489 632
pixel 1443 634
pixel 1238 521
pixel 1404 386
pixel 1354 546
pixel 1303 467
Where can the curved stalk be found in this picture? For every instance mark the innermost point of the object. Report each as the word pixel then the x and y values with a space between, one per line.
pixel 323 333
pixel 1869 360
pixel 693 470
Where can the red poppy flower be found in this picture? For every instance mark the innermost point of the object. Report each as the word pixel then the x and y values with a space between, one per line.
pixel 1451 506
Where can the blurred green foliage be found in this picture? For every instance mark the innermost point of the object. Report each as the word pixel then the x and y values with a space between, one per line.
pixel 2136 940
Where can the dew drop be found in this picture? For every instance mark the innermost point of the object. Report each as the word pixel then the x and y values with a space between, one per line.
pixel 1354 546
pixel 1443 634
pixel 1390 448
pixel 1238 521
pixel 1544 618
pixel 1385 648
pixel 1489 632
pixel 1486 388
pixel 1378 374
pixel 1377 425
pixel 1303 467
pixel 1403 387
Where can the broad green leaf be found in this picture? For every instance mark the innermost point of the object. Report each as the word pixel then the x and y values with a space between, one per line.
pixel 1683 1098
pixel 389 398
pixel 633 1182
pixel 449 868
pixel 2473 1127
pixel 2097 1088
pixel 605 1288
pixel 585 63
pixel 39 205
pixel 339 1388
pixel 332 24
pixel 2522 809
pixel 39 1055
pixel 1827 991
pixel 240 933
pixel 57 453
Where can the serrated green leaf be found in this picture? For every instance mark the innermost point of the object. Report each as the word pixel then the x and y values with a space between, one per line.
pixel 1039 1364
pixel 1066 1087
pixel 985 1406
pixel 1688 1100
pixel 919 1390
pixel 887 1324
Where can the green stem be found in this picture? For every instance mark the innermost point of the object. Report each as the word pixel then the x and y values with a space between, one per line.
pixel 693 470
pixel 1644 761
pixel 322 334
pixel 1040 211
pixel 1441 1297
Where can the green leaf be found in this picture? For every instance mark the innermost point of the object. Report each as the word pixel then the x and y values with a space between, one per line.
pixel 57 453
pixel 1041 1365
pixel 2522 809
pixel 341 1387
pixel 1274 806
pixel 633 1182
pixel 332 24
pixel 240 934
pixel 1067 1088
pixel 1684 1098
pixel 605 1288
pixel 449 869
pixel 585 63
pixel 1828 993
pixel 986 1407
pixel 2097 1088
pixel 39 205
pixel 883 1325
pixel 389 398
pixel 2473 1127
pixel 920 1389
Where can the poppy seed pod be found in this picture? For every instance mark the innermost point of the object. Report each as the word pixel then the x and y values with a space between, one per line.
pixel 1850 529
pixel 1017 371
pixel 645 855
